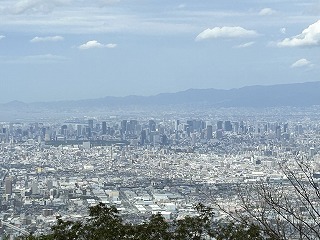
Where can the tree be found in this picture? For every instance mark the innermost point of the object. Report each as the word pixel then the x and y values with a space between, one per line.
pixel 196 227
pixel 286 210
pixel 105 223
pixel 232 231
pixel 155 228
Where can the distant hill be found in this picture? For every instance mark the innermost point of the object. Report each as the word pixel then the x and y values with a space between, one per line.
pixel 296 94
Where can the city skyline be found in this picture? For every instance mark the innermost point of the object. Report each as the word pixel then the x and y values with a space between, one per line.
pixel 143 164
pixel 69 50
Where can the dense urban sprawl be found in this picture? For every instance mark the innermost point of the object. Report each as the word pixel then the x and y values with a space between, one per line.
pixel 143 165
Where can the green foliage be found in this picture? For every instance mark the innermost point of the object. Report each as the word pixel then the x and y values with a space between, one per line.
pixel 156 228
pixel 105 223
pixel 233 231
pixel 195 227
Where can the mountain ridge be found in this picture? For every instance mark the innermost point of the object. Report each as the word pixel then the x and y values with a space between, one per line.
pixel 292 94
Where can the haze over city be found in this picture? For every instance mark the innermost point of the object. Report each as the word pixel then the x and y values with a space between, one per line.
pixel 60 50
pixel 145 119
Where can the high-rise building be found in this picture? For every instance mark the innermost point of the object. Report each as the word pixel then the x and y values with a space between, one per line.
pixel 227 126
pixel 98 127
pixel 64 130
pixel 104 128
pixel 131 127
pixel 90 124
pixel 300 129
pixel 35 187
pixel 219 134
pixel 265 128
pixel 152 125
pixel 43 131
pixel 203 125
pixel 164 139
pixel 219 125
pixel 143 137
pixel 235 126
pixel 176 125
pixel 123 126
pixel 8 185
pixel 79 130
pixel 278 132
pixel 193 139
pixel 311 152
pixel 209 132
pixel 199 125
pixel 47 137
pixel 88 131
pixel 190 124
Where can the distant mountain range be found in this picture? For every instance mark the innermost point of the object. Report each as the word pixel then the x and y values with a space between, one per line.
pixel 296 94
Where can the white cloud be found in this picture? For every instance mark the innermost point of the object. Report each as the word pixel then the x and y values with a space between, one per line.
pixel 245 45
pixel 267 12
pixel 283 30
pixel 2 37
pixel 302 63
pixel 109 1
pixel 43 6
pixel 96 44
pixel 111 45
pixel 309 37
pixel 101 16
pixel 182 6
pixel 45 58
pixel 226 32
pixel 47 39
pixel 91 44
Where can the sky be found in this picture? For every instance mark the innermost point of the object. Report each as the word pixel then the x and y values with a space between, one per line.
pixel 53 50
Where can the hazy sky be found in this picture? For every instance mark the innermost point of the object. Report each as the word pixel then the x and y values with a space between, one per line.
pixel 76 49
